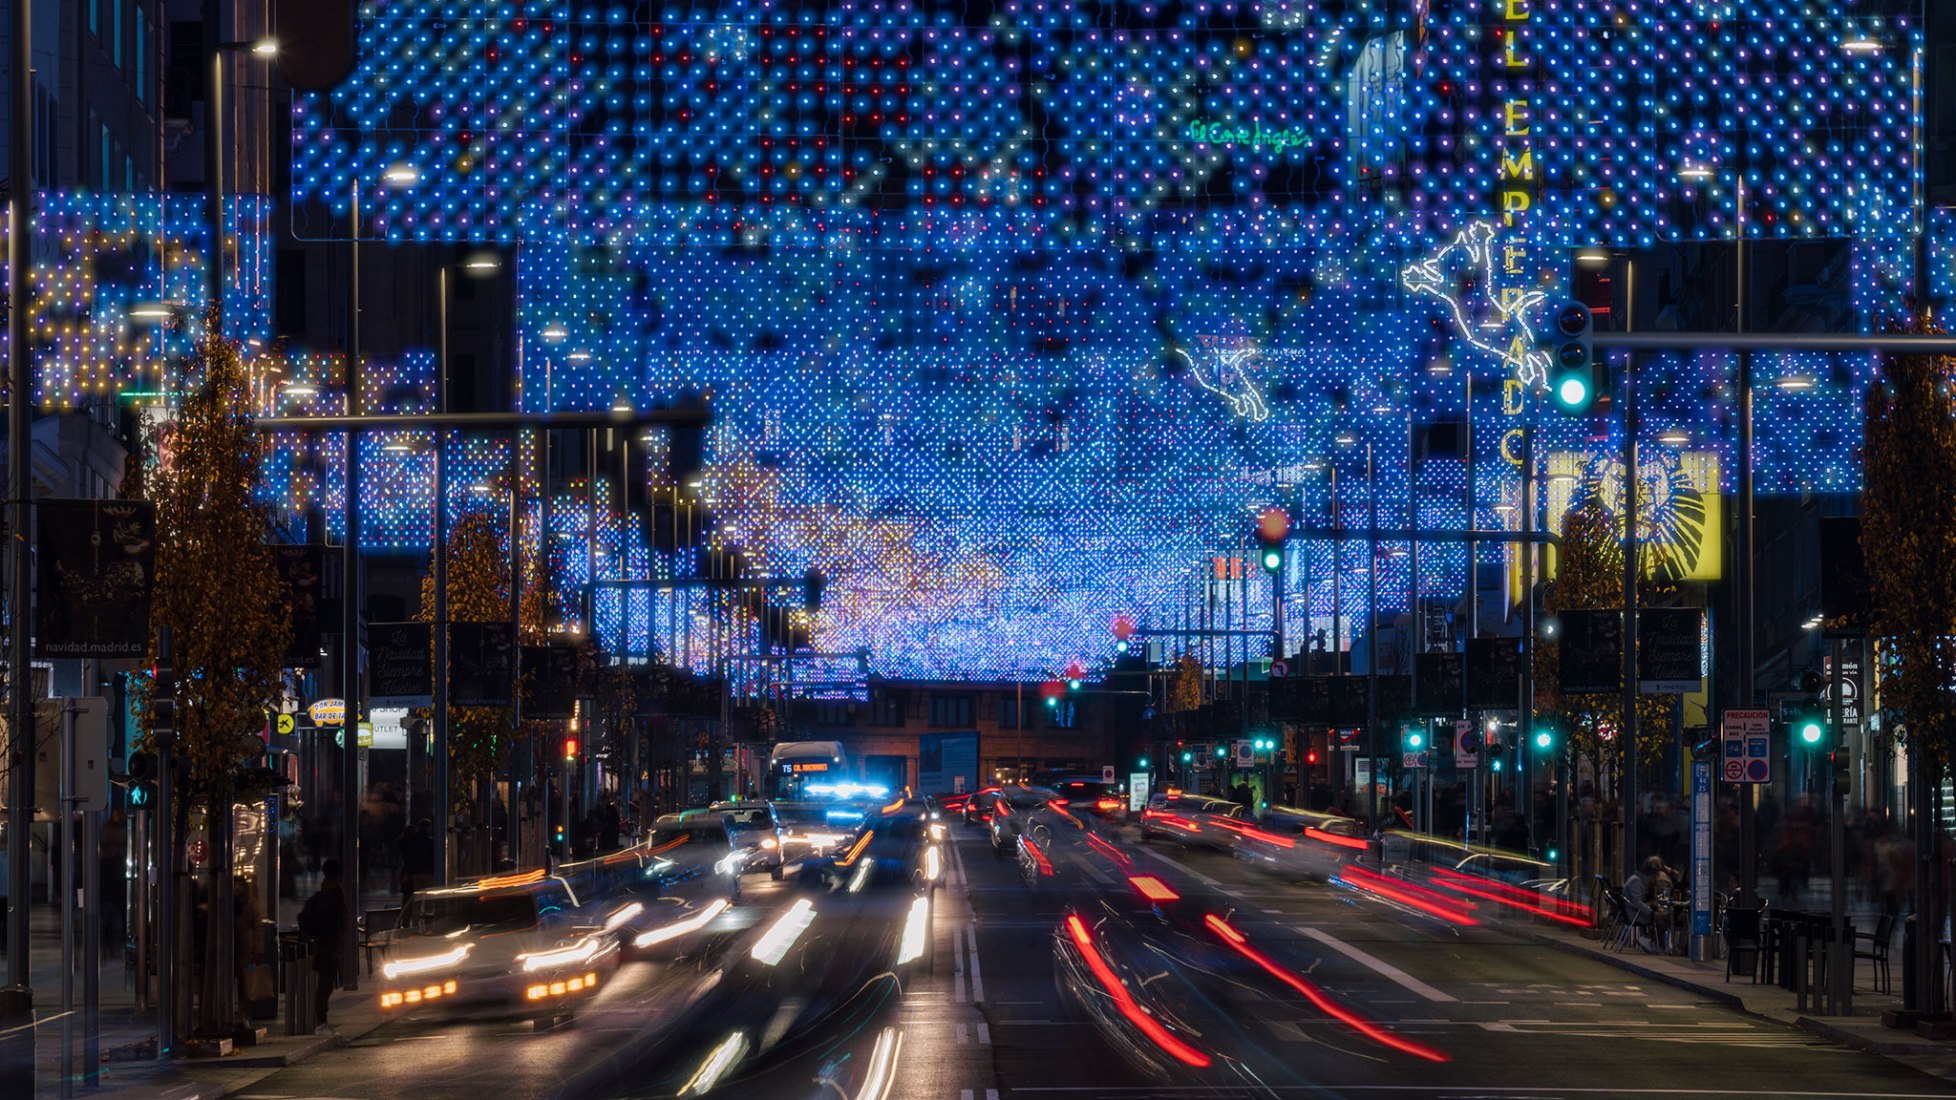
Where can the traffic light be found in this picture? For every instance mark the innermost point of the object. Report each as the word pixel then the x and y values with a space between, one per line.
pixel 1143 762
pixel 1842 770
pixel 570 748
pixel 1222 751
pixel 1188 758
pixel 1810 731
pixel 1272 528
pixel 1575 378
pixel 1415 740
pixel 1544 740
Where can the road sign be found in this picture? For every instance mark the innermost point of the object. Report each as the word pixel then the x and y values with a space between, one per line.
pixel 1137 791
pixel 286 724
pixel 1245 754
pixel 1107 773
pixel 1747 749
pixel 1414 760
pixel 1279 669
pixel 1466 751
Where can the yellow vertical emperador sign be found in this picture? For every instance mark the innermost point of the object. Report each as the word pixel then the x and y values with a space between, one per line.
pixel 1679 512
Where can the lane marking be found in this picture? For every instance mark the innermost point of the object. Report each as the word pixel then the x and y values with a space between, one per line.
pixel 977 982
pixel 964 1033
pixel 957 965
pixel 984 1033
pixel 1376 964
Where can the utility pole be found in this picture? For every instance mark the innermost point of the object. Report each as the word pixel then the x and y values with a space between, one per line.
pixel 20 795
pixel 350 599
pixel 1627 736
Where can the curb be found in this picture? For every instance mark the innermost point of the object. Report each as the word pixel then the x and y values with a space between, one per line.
pixel 1623 962
pixel 1873 1044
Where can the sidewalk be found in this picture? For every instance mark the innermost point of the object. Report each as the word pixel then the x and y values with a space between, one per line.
pixel 127 1037
pixel 1862 1030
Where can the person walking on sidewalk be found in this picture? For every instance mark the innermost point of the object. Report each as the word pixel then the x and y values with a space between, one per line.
pixel 323 920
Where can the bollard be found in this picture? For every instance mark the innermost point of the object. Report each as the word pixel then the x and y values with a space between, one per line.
pixel 1911 997
pixel 295 964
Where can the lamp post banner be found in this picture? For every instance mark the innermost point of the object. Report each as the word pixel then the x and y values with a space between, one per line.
pixel 400 664
pixel 98 562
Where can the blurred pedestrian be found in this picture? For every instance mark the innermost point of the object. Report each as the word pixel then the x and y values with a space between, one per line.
pixel 324 921
pixel 417 849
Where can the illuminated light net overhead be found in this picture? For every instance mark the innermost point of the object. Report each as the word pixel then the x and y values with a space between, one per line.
pixel 1008 312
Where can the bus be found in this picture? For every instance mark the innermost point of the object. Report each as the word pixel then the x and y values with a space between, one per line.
pixel 801 771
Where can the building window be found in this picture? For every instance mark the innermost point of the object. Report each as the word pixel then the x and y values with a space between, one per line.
pixel 95 17
pixel 832 712
pixel 950 711
pixel 886 708
pixel 1008 711
pixel 1060 716
pixel 142 58
pixel 115 32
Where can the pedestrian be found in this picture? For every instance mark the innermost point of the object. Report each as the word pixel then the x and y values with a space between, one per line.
pixel 417 859
pixel 324 920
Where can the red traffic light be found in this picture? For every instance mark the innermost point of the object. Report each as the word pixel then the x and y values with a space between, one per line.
pixel 1123 627
pixel 1273 524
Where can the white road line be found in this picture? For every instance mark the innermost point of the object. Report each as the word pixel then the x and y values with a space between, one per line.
pixel 991 1094
pixel 964 1033
pixel 965 1094
pixel 984 1033
pixel 957 965
pixel 1376 964
pixel 977 982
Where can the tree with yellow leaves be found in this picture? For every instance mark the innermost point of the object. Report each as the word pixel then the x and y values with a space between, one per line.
pixel 1908 535
pixel 478 592
pixel 218 591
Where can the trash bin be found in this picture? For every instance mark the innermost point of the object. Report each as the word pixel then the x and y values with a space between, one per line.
pixel 296 980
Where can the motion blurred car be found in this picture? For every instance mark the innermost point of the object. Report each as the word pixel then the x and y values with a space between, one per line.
pixel 816 828
pixel 1093 795
pixel 516 945
pixel 1299 843
pixel 657 891
pixel 1010 816
pixel 757 835
pixel 1191 820
pixel 978 809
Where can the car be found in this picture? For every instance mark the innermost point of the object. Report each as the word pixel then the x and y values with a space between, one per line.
pixel 519 945
pixel 816 828
pixel 756 834
pixel 978 809
pixel 1010 816
pixel 657 891
pixel 711 837
pixel 1299 843
pixel 1191 820
pixel 1093 795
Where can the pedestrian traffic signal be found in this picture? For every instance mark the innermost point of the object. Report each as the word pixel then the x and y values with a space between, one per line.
pixel 1574 377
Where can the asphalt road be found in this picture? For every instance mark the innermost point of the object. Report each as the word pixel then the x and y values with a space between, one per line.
pixel 1313 990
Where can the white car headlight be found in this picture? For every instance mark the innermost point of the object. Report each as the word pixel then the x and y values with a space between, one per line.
pixel 421 964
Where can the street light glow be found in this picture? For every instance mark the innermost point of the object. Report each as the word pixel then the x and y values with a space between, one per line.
pixel 401 174
pixel 265 47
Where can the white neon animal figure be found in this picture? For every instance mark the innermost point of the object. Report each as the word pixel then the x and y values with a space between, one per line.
pixel 1231 379
pixel 1495 320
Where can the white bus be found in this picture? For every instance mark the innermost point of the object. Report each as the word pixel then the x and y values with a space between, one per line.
pixel 803 771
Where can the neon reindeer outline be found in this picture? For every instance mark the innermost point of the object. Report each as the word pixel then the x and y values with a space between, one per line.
pixel 1504 331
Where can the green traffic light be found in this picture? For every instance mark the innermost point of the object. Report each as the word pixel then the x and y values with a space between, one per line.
pixel 1222 750
pixel 1544 740
pixel 1144 762
pixel 1415 739
pixel 1572 391
pixel 1810 731
pixel 1188 758
pixel 1273 559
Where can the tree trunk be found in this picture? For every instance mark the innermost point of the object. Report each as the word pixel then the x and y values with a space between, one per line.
pixel 217 1008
